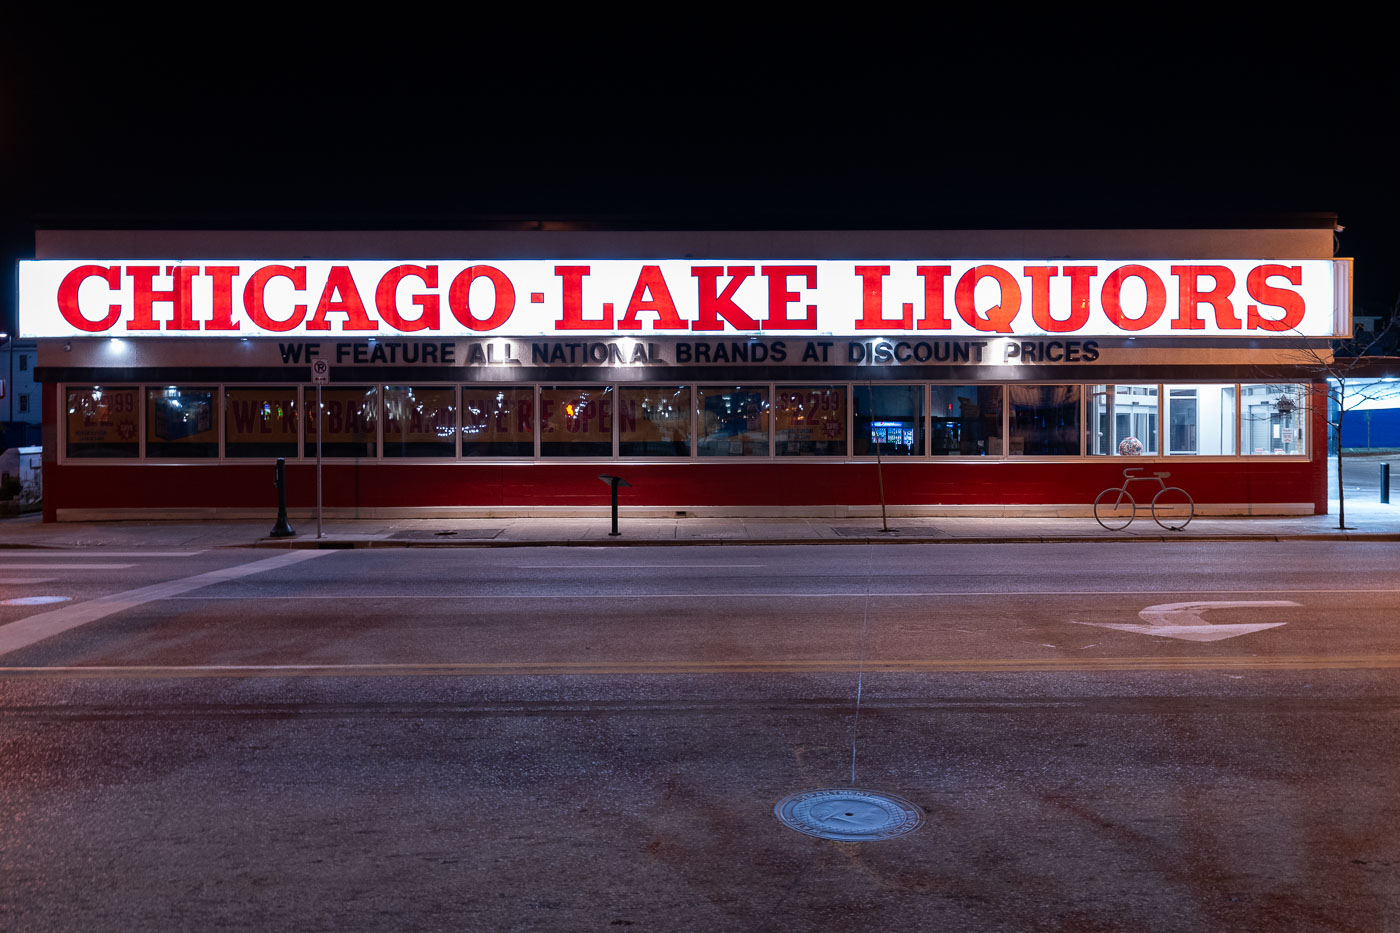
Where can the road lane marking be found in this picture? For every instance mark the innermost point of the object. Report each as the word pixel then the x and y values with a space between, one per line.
pixel 636 566
pixel 96 552
pixel 424 597
pixel 27 631
pixel 804 666
pixel 20 581
pixel 50 565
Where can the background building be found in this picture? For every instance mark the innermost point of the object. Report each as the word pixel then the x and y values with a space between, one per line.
pixel 20 402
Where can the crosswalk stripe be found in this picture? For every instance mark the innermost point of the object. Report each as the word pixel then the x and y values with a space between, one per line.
pixel 27 631
pixel 65 567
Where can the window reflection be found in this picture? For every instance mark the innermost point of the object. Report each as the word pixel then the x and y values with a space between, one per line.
pixel 350 414
pixel 1123 420
pixel 1044 420
pixel 653 421
pixel 498 421
pixel 260 421
pixel 965 421
pixel 733 421
pixel 576 421
pixel 420 422
pixel 180 422
pixel 1273 419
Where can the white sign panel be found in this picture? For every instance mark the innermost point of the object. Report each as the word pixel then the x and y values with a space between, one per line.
pixel 637 298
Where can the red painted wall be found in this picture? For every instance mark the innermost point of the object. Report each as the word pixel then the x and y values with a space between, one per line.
pixel 792 483
pixel 375 485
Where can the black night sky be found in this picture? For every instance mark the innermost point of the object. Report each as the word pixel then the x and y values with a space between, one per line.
pixel 265 121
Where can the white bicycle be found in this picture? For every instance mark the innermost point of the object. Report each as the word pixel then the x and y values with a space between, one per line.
pixel 1172 507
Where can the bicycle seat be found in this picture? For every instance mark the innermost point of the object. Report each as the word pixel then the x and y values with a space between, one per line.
pixel 1163 475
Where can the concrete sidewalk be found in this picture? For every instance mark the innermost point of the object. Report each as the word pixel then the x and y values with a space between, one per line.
pixel 1366 522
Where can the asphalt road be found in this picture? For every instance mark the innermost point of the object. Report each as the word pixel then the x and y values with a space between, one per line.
pixel 1362 473
pixel 1102 737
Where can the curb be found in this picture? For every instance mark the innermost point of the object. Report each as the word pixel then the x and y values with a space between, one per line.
pixel 382 543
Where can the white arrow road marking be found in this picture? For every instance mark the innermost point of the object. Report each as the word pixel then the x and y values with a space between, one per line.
pixel 1175 620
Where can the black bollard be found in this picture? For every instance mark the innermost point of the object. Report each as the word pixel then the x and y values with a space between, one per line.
pixel 614 482
pixel 1385 483
pixel 279 478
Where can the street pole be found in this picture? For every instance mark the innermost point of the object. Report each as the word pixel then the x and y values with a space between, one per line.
pixel 319 433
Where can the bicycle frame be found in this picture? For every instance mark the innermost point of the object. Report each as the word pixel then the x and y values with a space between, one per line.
pixel 1111 517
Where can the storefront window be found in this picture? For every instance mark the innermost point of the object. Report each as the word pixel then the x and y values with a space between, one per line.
pixel 260 422
pixel 1201 420
pixel 498 421
pixel 1123 420
pixel 891 417
pixel 180 422
pixel 420 421
pixel 653 421
pixel 1044 420
pixel 966 421
pixel 733 421
pixel 576 421
pixel 810 421
pixel 349 416
pixel 103 421
pixel 1273 419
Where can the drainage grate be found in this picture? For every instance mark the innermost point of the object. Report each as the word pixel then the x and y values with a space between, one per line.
pixel 870 532
pixel 476 533
pixel 845 814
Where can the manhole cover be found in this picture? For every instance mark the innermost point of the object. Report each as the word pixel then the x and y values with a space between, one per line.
pixel 35 600
pixel 849 815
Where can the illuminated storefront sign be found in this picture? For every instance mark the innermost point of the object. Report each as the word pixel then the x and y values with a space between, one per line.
pixel 636 298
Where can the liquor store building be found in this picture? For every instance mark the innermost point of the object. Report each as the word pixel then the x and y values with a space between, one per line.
pixel 499 373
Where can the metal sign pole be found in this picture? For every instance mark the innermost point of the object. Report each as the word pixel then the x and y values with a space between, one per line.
pixel 319 433
pixel 320 374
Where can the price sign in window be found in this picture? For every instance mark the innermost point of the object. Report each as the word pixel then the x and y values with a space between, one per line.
pixel 810 421
pixel 102 421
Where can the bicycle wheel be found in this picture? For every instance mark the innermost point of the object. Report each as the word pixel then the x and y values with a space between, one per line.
pixel 1114 509
pixel 1172 508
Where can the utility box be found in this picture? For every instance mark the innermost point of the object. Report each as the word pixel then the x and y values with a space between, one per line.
pixel 31 477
